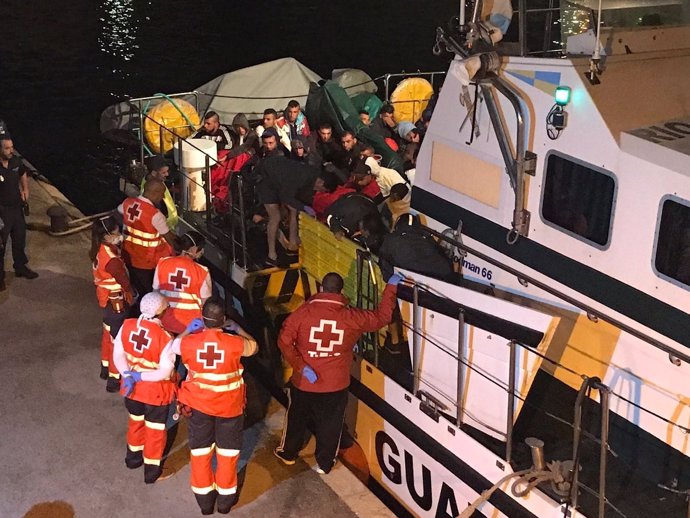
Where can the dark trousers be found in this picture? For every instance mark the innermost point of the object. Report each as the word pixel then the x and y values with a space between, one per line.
pixel 15 229
pixel 223 436
pixel 326 410
pixel 141 279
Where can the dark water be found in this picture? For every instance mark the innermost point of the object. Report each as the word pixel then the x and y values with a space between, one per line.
pixel 63 61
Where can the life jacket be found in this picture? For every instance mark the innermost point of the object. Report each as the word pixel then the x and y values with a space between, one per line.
pixel 181 280
pixel 214 383
pixel 105 283
pixel 143 342
pixel 143 244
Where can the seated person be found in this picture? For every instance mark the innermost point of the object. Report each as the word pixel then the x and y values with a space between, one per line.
pixel 385 124
pixel 408 133
pixel 398 202
pixel 364 117
pixel 345 215
pixel 364 182
pixel 294 121
pixel 270 121
pixel 324 145
pixel 244 139
pixel 409 247
pixel 409 156
pixel 332 191
pixel 385 177
pixel 270 144
pixel 284 182
pixel 215 131
pixel 350 151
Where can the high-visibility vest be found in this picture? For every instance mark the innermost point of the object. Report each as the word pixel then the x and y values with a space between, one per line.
pixel 181 279
pixel 173 218
pixel 214 382
pixel 105 283
pixel 143 245
pixel 143 342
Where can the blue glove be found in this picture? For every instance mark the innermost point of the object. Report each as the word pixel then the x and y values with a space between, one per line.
pixel 309 373
pixel 129 383
pixel 195 325
pixel 136 376
pixel 310 211
pixel 395 279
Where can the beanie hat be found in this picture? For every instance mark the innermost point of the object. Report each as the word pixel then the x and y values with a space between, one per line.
pixel 404 128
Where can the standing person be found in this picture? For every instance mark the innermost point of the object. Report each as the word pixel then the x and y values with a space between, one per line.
pixel 113 290
pixel 317 341
pixel 160 170
pixel 14 192
pixel 143 355
pixel 184 282
pixel 147 235
pixel 213 397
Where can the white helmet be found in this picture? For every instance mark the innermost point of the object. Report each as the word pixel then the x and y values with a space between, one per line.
pixel 152 304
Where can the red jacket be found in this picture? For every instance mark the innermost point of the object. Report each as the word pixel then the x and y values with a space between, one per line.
pixel 322 332
pixel 323 200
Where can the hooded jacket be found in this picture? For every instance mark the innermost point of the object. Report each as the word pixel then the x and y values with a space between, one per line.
pixel 249 143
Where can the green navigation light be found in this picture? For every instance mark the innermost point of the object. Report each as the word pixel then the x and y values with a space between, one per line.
pixel 562 95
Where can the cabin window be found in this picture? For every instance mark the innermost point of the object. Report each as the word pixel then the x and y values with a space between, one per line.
pixel 578 199
pixel 672 257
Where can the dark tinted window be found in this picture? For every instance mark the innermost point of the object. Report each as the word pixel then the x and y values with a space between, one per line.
pixel 578 199
pixel 673 242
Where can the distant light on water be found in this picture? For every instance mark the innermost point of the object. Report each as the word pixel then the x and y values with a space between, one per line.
pixel 119 32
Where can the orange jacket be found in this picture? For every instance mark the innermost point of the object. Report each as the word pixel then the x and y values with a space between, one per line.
pixel 185 283
pixel 105 273
pixel 321 334
pixel 214 384
pixel 143 342
pixel 143 245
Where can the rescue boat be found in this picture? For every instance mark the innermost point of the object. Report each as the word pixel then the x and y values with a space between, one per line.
pixel 552 383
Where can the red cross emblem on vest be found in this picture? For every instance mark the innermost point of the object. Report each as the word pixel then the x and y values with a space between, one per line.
pixel 210 356
pixel 140 338
pixel 326 335
pixel 179 279
pixel 133 212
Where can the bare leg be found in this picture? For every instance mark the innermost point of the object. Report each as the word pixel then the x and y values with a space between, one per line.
pixel 292 214
pixel 273 210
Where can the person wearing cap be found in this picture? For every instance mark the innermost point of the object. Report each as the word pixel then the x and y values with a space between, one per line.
pixel 160 170
pixel 143 355
pixel 113 289
pixel 213 398
pixel 184 282
pixel 14 193
pixel 317 341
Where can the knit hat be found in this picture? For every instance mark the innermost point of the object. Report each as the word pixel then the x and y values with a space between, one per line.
pixel 270 132
pixel 241 120
pixel 152 304
pixel 404 128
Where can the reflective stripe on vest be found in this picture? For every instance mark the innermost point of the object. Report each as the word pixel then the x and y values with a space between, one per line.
pixel 194 302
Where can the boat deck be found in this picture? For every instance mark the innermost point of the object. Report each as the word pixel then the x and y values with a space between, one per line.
pixel 63 436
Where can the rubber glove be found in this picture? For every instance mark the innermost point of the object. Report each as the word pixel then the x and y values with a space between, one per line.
pixel 310 211
pixel 136 376
pixel 129 383
pixel 195 325
pixel 309 373
pixel 395 279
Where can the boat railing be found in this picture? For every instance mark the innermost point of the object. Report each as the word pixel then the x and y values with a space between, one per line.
pixel 592 313
pixel 389 81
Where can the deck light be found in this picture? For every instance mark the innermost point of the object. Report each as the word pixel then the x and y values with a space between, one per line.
pixel 562 95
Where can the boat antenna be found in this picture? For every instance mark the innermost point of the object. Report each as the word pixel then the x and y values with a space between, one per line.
pixel 461 17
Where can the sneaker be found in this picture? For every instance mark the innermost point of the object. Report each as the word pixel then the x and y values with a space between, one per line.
pixel 281 455
pixel 320 471
pixel 112 385
pixel 25 272
pixel 104 372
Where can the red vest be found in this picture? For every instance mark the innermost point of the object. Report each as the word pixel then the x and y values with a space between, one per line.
pixel 105 283
pixel 143 245
pixel 214 384
pixel 180 279
pixel 143 342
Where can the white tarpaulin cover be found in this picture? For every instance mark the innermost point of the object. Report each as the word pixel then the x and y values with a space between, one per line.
pixel 268 85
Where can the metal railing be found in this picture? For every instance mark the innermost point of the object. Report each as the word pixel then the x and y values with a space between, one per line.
pixel 431 76
pixel 367 297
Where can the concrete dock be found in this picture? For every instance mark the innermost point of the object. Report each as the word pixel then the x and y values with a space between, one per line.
pixel 62 436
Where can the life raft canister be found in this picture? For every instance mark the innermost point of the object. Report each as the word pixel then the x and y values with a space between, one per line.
pixel 410 98
pixel 170 116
